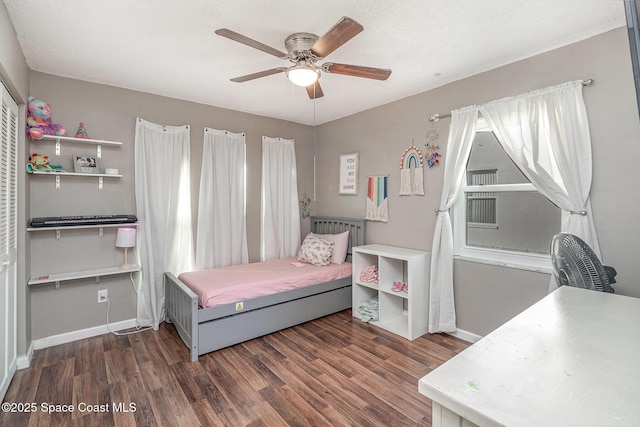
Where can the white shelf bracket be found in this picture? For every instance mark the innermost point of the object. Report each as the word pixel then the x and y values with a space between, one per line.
pixel 100 231
pixel 100 183
pixel 58 147
pixel 57 182
pixel 57 234
pixel 99 151
pixel 57 285
pixel 97 279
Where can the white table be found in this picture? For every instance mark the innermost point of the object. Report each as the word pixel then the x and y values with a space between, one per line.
pixel 572 359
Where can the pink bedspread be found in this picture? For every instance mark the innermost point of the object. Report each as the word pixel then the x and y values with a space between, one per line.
pixel 242 282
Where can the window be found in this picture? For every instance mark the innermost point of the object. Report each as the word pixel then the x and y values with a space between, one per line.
pixel 501 218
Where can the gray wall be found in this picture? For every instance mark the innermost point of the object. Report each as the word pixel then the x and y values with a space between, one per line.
pixel 486 296
pixel 110 113
pixel 15 75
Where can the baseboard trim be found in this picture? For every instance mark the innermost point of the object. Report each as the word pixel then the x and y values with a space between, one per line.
pixel 24 361
pixel 465 335
pixel 41 343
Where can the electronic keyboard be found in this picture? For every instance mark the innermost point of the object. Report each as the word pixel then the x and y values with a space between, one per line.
pixel 66 221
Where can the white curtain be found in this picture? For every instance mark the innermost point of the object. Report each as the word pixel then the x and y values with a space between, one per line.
pixel 222 230
pixel 546 134
pixel 280 217
pixel 163 205
pixel 442 315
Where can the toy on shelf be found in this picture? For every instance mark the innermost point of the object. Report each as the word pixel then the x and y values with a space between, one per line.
pixel 39 120
pixel 82 132
pixel 40 163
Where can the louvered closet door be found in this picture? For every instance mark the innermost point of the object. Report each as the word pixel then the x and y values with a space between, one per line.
pixel 8 237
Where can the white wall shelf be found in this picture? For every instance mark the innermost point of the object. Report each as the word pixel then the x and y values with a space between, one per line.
pixel 79 140
pixel 58 183
pixel 402 313
pixel 81 274
pixel 74 275
pixel 100 227
pixel 97 142
pixel 105 175
pixel 77 227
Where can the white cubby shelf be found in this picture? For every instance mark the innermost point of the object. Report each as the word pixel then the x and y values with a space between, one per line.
pixel 403 313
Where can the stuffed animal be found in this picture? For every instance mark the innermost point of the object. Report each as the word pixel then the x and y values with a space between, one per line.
pixel 40 163
pixel 39 120
pixel 82 132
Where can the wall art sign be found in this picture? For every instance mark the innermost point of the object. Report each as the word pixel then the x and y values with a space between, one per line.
pixel 348 174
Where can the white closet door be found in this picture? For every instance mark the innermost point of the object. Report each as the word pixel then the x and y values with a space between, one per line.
pixel 8 237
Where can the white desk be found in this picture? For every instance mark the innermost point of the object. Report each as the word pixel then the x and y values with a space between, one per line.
pixel 572 359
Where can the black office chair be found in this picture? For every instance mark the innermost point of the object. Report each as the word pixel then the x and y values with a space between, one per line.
pixel 575 264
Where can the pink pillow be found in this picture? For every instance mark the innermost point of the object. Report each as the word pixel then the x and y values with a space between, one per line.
pixel 340 245
pixel 315 251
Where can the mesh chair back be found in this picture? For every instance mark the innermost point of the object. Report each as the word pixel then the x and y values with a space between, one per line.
pixel 575 264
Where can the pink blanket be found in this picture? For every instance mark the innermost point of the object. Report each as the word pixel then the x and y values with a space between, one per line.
pixel 242 282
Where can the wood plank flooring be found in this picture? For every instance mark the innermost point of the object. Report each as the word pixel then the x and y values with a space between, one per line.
pixel 334 371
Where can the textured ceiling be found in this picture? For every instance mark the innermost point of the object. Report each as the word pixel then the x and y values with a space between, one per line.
pixel 169 47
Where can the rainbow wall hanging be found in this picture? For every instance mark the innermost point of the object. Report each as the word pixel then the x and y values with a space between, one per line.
pixel 377 199
pixel 411 159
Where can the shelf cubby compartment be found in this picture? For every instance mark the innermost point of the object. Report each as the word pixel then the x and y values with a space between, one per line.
pixel 361 262
pixel 392 270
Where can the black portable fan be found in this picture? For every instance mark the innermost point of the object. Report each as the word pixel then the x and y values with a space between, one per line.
pixel 575 264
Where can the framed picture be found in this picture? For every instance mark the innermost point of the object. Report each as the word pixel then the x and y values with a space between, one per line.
pixel 348 174
pixel 85 164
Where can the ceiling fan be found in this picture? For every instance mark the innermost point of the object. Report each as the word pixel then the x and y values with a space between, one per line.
pixel 304 50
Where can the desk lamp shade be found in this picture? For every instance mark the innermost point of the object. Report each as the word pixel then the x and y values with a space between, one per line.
pixel 126 238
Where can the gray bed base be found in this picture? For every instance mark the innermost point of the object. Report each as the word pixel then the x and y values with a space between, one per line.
pixel 204 330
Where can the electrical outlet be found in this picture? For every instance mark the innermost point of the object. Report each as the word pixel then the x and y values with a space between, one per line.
pixel 103 295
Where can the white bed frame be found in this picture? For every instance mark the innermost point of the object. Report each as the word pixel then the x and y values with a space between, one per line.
pixel 204 330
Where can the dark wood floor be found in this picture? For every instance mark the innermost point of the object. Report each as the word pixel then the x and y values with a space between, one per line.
pixel 332 371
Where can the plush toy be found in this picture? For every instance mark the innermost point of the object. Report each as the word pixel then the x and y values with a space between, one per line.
pixel 82 132
pixel 39 120
pixel 40 163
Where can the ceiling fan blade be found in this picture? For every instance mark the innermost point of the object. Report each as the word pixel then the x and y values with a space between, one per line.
pixel 314 91
pixel 339 34
pixel 225 32
pixel 357 71
pixel 258 75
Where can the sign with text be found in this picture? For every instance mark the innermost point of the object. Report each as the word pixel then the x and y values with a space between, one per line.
pixel 348 174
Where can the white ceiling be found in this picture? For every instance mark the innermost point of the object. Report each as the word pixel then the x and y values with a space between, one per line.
pixel 169 48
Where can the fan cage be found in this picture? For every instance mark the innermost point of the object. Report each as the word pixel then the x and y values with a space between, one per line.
pixel 575 264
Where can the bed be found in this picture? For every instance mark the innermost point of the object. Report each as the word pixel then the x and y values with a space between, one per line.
pixel 204 330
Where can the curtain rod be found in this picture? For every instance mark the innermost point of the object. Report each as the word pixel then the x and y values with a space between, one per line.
pixel 436 117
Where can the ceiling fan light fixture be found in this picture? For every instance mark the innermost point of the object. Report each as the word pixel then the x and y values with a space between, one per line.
pixel 302 75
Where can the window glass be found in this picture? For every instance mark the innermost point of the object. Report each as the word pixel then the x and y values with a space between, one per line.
pixel 526 222
pixel 498 214
pixel 487 155
pixel 481 206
